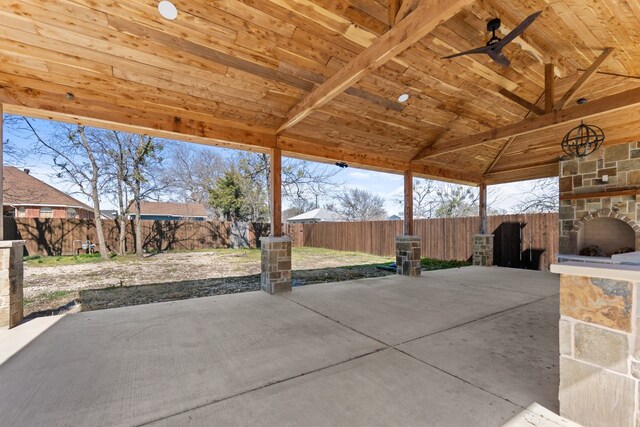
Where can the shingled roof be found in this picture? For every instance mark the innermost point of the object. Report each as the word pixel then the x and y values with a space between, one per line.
pixel 184 210
pixel 22 189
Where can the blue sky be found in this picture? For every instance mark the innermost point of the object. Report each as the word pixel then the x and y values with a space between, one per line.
pixel 388 186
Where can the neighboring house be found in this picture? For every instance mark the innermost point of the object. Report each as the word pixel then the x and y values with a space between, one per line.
pixel 393 218
pixel 109 214
pixel 168 211
pixel 27 197
pixel 315 215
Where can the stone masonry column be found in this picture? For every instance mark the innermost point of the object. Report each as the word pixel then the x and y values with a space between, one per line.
pixel 483 250
pixel 11 276
pixel 599 344
pixel 408 255
pixel 276 264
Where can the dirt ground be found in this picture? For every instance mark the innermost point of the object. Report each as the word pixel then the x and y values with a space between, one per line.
pixel 169 276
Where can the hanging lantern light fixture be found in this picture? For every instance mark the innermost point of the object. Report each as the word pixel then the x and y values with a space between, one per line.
pixel 582 140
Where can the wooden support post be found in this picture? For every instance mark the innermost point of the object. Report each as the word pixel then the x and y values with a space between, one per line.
pixel 275 176
pixel 483 209
pixel 408 203
pixel 549 90
pixel 1 173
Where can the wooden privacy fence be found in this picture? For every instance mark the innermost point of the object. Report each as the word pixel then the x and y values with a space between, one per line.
pixel 57 236
pixel 442 238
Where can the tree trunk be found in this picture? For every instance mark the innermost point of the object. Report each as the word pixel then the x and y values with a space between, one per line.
pixel 122 247
pixel 139 238
pixel 102 244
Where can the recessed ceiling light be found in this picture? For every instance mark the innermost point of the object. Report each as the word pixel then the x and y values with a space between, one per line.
pixel 403 98
pixel 581 101
pixel 167 10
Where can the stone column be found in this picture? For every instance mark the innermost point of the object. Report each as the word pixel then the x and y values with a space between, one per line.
pixel 483 250
pixel 276 264
pixel 408 255
pixel 599 345
pixel 11 276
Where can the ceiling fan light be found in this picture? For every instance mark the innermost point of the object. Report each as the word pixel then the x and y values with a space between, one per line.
pixel 168 10
pixel 403 97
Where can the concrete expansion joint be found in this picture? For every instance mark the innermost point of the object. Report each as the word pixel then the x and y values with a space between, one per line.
pixel 395 346
pixel 269 384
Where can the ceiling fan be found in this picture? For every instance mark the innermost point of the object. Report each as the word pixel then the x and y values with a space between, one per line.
pixel 495 44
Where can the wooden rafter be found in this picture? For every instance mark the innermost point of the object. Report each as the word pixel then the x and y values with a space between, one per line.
pixel 510 141
pixel 394 6
pixel 584 78
pixel 522 102
pixel 598 107
pixel 406 8
pixel 406 33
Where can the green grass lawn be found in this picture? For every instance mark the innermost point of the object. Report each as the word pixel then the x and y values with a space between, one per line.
pixel 431 264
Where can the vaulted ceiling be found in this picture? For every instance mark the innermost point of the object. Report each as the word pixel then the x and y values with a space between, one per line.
pixel 321 78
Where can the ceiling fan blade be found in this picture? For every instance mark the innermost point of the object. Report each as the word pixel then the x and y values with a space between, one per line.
pixel 483 49
pixel 498 57
pixel 517 30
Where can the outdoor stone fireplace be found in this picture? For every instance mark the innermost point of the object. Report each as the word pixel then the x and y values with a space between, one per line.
pixel 598 207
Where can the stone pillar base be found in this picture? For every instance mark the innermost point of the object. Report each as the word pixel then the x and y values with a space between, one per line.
pixel 483 250
pixel 276 264
pixel 408 255
pixel 11 276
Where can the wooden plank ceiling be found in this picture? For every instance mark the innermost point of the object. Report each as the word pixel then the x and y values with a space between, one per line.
pixel 235 73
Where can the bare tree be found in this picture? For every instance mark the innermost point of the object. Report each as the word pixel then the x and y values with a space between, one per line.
pixel 192 172
pixel 543 196
pixel 143 153
pixel 115 147
pixel 360 205
pixel 423 198
pixel 77 154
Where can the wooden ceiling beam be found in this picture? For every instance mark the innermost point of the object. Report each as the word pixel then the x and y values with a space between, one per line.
pixel 608 104
pixel 523 173
pixel 294 146
pixel 584 78
pixel 52 106
pixel 549 87
pixel 403 35
pixel 533 108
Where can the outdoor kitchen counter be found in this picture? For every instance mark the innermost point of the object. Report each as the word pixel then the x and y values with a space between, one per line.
pixel 599 343
pixel 610 271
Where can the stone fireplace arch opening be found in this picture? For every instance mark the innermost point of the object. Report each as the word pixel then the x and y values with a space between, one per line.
pixel 610 232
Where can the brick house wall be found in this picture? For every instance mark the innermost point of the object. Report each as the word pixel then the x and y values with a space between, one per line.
pixel 58 212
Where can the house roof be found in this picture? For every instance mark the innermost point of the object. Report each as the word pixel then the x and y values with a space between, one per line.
pixel 23 189
pixel 320 80
pixel 318 214
pixel 184 210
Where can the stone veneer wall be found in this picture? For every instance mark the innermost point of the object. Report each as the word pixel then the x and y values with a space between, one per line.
pixel 11 277
pixel 408 255
pixel 483 250
pixel 582 176
pixel 599 351
pixel 275 276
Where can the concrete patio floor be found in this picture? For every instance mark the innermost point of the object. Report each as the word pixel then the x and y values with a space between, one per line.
pixel 466 347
